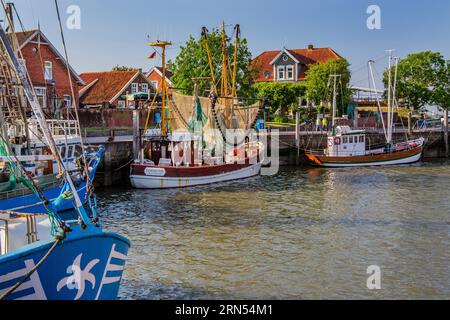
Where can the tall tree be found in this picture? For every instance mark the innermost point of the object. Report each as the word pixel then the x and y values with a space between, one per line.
pixel 441 97
pixel 319 85
pixel 192 62
pixel 421 79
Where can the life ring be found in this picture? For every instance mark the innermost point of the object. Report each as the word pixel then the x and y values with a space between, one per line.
pixel 337 141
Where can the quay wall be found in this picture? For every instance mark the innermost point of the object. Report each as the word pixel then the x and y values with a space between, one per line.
pixel 114 169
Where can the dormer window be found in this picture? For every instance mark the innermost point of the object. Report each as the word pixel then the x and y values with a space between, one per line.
pixel 134 88
pixel 290 73
pixel 281 73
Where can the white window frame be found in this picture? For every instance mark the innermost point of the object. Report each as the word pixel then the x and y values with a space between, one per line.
pixel 289 68
pixel 48 70
pixel 134 88
pixel 155 84
pixel 281 68
pixel 145 87
pixel 121 104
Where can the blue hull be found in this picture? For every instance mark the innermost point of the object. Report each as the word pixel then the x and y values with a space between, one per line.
pixel 32 204
pixel 88 265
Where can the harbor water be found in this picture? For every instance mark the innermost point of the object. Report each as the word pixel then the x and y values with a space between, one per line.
pixel 306 233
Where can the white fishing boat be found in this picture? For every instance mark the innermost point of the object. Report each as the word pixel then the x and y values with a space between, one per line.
pixel 350 148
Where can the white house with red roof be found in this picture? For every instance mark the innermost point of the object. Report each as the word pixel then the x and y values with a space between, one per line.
pixel 290 65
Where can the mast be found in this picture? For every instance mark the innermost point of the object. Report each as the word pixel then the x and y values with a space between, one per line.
pixel 164 108
pixel 389 102
pixel 334 76
pixel 236 48
pixel 378 101
pixel 210 61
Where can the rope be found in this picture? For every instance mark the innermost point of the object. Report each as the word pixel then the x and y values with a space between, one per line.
pixel 32 271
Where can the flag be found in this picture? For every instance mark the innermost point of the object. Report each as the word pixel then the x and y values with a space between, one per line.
pixel 152 56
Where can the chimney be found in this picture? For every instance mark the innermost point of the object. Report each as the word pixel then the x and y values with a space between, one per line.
pixel 310 46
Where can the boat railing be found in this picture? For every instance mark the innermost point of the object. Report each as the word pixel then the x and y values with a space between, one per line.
pixel 25 191
pixel 61 128
pixel 4 236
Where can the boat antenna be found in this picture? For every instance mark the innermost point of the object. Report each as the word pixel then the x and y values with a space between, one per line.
pixel 165 114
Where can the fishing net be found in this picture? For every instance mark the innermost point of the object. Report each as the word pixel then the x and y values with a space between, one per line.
pixel 199 116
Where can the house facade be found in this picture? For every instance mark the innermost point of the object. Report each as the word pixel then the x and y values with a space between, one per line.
pixel 48 71
pixel 290 65
pixel 114 89
pixel 155 77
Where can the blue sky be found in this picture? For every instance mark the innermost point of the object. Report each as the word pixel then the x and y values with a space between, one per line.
pixel 115 31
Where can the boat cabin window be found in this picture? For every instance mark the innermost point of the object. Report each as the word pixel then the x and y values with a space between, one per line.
pixel 351 139
pixel 70 152
pixel 345 140
pixel 78 151
pixel 63 152
pixel 361 139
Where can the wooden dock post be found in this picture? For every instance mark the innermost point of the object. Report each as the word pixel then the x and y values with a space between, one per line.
pixel 410 129
pixel 446 133
pixel 297 137
pixel 136 133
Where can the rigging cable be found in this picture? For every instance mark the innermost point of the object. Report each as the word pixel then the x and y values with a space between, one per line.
pixel 73 93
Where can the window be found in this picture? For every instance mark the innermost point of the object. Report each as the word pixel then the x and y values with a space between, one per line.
pixel 266 74
pixel 145 87
pixel 134 88
pixel 41 94
pixel 361 139
pixel 290 72
pixel 121 104
pixel 155 85
pixel 280 72
pixel 345 140
pixel 70 152
pixel 68 101
pixel 351 139
pixel 78 151
pixel 48 70
pixel 63 153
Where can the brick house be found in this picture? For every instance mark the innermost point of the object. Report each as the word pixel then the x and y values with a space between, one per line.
pixel 114 89
pixel 288 65
pixel 155 77
pixel 48 71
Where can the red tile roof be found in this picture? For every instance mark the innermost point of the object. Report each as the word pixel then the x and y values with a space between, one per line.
pixel 305 56
pixel 107 85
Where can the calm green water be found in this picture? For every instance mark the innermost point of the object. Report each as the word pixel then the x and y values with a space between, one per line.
pixel 303 234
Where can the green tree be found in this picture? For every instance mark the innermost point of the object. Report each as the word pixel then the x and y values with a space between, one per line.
pixel 421 80
pixel 441 87
pixel 192 62
pixel 280 95
pixel 122 68
pixel 319 85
